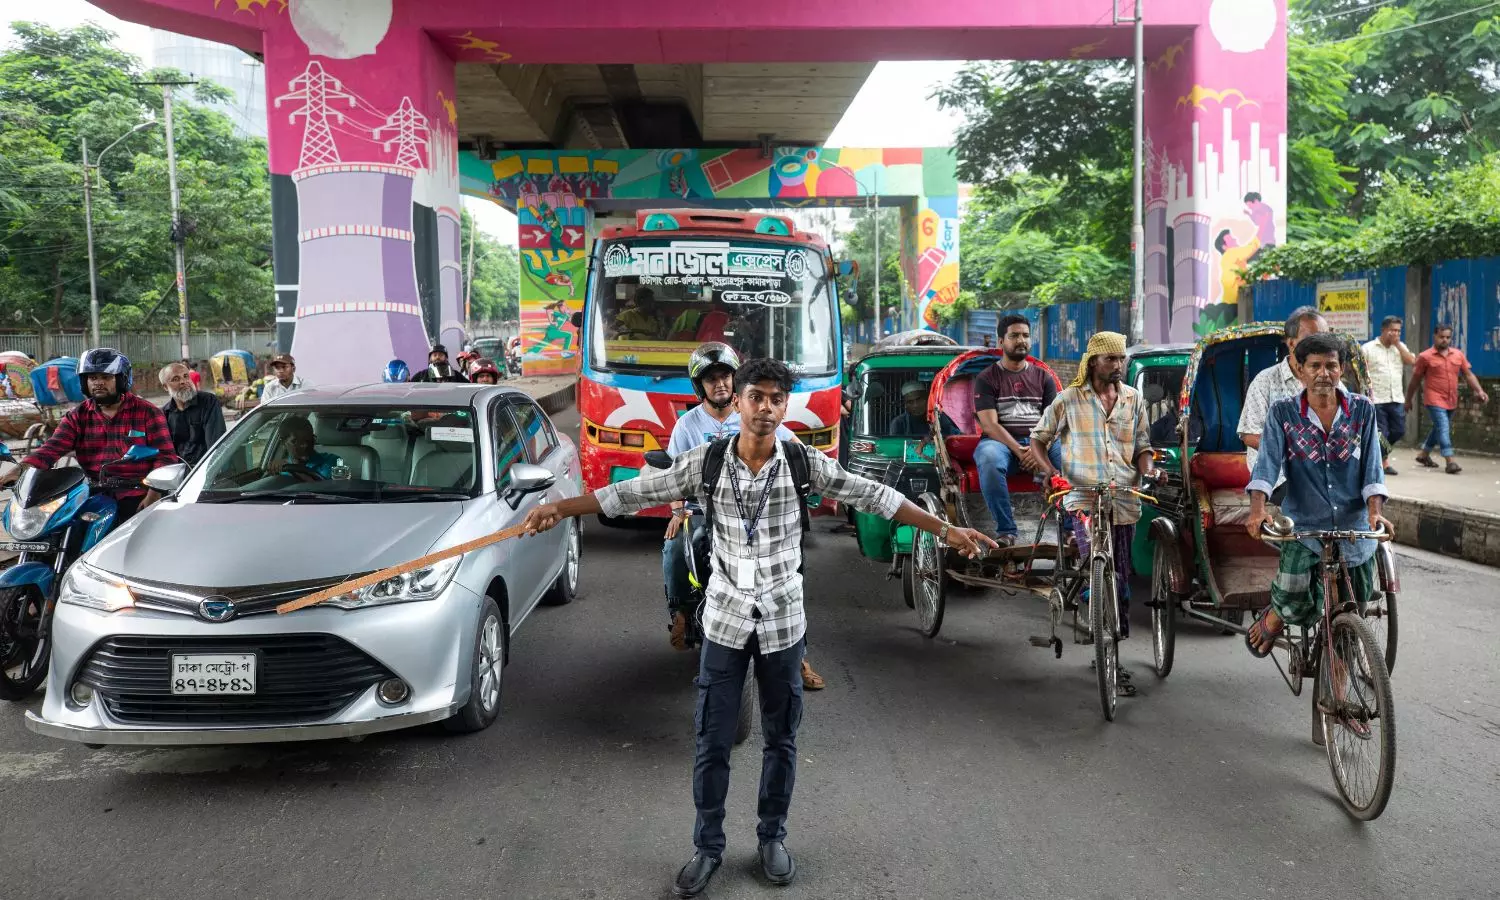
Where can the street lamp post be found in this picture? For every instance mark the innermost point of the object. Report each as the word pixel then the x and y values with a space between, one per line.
pixel 88 221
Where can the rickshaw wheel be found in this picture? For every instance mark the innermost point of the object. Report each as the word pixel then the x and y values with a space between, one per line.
pixel 909 581
pixel 1103 610
pixel 1163 612
pixel 928 561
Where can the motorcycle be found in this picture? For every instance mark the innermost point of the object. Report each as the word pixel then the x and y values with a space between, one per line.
pixel 692 551
pixel 54 516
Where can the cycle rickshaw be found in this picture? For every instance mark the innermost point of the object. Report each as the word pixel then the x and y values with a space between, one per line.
pixel 1045 561
pixel 1206 566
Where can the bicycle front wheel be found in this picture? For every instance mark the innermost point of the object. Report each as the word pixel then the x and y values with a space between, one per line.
pixel 1358 717
pixel 1103 614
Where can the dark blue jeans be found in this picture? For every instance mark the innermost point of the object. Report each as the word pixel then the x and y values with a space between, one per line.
pixel 721 679
pixel 1390 418
pixel 1441 436
pixel 674 571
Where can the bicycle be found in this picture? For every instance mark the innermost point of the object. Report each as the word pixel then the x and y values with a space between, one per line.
pixel 1353 713
pixel 1104 603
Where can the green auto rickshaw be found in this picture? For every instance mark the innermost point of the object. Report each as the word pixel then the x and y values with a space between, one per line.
pixel 887 442
pixel 1157 370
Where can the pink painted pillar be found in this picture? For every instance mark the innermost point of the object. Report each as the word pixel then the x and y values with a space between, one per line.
pixel 363 152
pixel 1216 170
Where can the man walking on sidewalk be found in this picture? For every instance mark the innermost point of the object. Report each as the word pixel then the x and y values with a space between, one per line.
pixel 1436 373
pixel 1384 357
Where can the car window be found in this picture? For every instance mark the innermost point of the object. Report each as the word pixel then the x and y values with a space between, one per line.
pixel 536 431
pixel 507 438
pixel 1160 387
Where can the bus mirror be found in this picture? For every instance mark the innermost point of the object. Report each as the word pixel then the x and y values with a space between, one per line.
pixel 577 320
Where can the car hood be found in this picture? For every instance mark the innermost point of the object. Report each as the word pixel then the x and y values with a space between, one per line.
pixel 242 544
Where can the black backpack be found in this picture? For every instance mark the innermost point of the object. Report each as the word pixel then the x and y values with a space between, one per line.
pixel 713 466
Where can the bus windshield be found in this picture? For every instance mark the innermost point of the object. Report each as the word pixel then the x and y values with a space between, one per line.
pixel 655 300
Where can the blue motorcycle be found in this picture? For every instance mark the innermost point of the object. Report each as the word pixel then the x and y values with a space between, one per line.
pixel 54 516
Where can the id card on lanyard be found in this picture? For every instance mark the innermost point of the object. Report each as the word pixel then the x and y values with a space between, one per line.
pixel 744 574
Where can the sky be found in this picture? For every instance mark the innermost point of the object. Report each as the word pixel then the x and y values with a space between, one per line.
pixel 891 110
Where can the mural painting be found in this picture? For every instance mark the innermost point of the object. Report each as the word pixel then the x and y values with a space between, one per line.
pixel 1216 171
pixel 551 191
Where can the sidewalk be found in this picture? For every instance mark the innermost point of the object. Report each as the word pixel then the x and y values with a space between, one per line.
pixel 1457 515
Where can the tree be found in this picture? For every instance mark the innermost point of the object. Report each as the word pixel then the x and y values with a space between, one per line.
pixel 1423 89
pixel 859 245
pixel 495 290
pixel 57 87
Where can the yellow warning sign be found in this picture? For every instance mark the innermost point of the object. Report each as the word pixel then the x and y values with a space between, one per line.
pixel 1346 306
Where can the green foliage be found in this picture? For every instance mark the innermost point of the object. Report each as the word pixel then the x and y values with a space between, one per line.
pixel 859 245
pixel 494 293
pixel 60 87
pixel 1455 215
pixel 962 305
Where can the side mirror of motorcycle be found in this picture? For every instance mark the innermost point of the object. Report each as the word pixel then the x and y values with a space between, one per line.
pixel 658 459
pixel 139 452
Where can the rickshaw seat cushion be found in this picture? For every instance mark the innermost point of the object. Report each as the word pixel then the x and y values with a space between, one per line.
pixel 1221 471
pixel 958 402
pixel 961 451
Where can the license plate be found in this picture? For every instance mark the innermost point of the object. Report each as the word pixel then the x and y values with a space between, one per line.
pixel 25 546
pixel 213 673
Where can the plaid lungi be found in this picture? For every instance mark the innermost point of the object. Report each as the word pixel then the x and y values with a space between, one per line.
pixel 1297 589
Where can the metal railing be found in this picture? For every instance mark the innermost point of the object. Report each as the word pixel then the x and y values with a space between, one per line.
pixel 141 347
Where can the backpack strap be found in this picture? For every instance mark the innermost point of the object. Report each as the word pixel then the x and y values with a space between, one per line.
pixel 801 472
pixel 713 465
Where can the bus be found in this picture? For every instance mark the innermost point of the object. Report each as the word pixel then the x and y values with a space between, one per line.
pixel 677 278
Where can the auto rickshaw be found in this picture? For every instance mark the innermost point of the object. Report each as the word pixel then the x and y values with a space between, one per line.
pixel 233 370
pixel 1205 564
pixel 877 451
pixel 1156 371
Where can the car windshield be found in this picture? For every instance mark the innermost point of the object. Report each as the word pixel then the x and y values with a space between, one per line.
pixel 657 300
pixel 344 454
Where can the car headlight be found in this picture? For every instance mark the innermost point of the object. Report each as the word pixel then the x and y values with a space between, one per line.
pixel 27 522
pixel 87 586
pixel 419 584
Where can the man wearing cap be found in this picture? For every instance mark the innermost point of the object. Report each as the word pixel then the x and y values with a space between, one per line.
pixel 1104 431
pixel 913 423
pixel 438 369
pixel 284 378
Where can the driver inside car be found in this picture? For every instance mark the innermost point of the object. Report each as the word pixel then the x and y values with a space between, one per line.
pixel 297 448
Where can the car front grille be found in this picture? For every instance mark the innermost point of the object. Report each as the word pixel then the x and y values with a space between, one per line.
pixel 248 601
pixel 300 678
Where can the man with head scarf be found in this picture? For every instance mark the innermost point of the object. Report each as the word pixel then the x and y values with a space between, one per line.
pixel 1105 435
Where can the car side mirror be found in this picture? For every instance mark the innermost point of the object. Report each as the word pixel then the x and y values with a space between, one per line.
pixel 167 479
pixel 525 479
pixel 658 459
pixel 577 320
pixel 140 451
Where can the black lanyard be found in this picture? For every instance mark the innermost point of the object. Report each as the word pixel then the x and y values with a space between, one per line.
pixel 752 522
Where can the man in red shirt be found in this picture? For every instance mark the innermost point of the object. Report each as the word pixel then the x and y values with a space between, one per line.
pixel 100 429
pixel 1437 372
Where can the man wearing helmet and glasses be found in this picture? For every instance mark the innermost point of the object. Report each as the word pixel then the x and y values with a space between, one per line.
pixel 711 369
pixel 102 428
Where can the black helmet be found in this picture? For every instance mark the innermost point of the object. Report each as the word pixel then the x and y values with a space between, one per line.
pixel 106 361
pixel 708 356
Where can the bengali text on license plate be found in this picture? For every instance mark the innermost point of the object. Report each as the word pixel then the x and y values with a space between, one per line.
pixel 213 673
pixel 25 546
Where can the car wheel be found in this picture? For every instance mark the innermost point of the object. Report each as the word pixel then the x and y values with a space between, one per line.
pixel 491 641
pixel 565 588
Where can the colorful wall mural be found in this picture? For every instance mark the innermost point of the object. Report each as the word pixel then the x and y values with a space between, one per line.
pixel 1216 172
pixel 551 192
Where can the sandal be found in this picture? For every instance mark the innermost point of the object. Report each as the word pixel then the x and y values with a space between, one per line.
pixel 1261 652
pixel 1347 713
pixel 1452 468
pixel 1425 460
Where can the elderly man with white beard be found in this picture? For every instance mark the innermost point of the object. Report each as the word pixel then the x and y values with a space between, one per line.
pixel 194 418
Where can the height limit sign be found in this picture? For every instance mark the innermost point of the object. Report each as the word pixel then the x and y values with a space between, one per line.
pixel 1346 306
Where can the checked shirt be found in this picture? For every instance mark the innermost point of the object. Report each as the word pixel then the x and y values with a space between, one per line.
pixel 95 440
pixel 773 609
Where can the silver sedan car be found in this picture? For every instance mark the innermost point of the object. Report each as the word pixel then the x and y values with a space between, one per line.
pixel 167 632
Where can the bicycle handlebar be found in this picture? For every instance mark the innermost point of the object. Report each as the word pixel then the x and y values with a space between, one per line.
pixel 1101 490
pixel 1281 537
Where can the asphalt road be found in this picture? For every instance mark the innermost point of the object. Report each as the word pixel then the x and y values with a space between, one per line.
pixel 972 765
